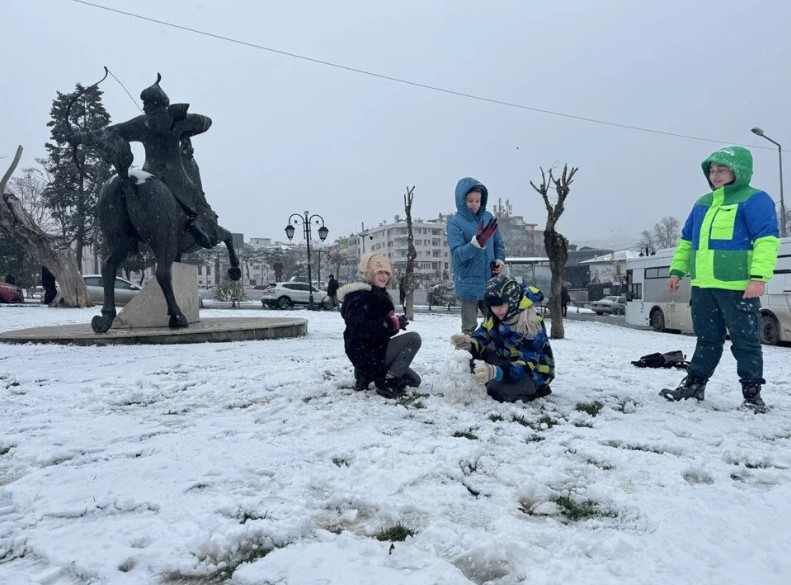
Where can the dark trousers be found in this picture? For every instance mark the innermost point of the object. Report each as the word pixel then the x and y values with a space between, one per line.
pixel 713 311
pixel 508 390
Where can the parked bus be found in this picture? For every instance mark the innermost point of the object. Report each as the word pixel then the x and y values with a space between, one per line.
pixel 648 302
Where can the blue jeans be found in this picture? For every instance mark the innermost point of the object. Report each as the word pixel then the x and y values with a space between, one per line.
pixel 713 311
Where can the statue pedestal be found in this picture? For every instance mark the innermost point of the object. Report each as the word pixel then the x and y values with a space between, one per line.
pixel 148 307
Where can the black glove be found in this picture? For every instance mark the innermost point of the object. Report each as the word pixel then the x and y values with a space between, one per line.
pixel 402 321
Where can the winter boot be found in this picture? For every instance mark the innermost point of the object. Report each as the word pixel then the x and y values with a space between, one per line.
pixel 690 387
pixel 390 388
pixel 752 398
pixel 361 382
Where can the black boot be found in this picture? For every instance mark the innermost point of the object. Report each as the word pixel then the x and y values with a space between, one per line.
pixel 390 388
pixel 361 381
pixel 690 387
pixel 752 398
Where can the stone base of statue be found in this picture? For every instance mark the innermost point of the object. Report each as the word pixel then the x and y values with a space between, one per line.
pixel 148 308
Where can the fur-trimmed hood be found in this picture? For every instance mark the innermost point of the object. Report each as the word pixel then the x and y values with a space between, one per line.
pixel 352 287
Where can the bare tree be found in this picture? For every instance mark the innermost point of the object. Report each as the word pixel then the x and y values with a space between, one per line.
pixel 664 234
pixel 411 254
pixel 556 244
pixel 58 260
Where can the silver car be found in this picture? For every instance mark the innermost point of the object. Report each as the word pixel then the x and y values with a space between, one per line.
pixel 124 290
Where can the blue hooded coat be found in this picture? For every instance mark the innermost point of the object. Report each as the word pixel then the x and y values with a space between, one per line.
pixel 470 263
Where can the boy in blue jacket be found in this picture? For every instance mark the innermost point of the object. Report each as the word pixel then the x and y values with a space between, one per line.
pixel 476 249
pixel 510 350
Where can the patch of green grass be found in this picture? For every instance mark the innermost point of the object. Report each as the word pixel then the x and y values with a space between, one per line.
pixel 239 405
pixel 600 464
pixel 466 434
pixel 250 554
pixel 413 400
pixel 579 511
pixel 522 421
pixel 397 533
pixel 547 420
pixel 340 462
pixel 247 515
pixel 496 418
pixel 5 449
pixel 584 425
pixel 12 384
pixel 592 408
pixel 534 438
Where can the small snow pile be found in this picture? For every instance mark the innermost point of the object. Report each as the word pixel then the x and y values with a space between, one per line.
pixel 457 384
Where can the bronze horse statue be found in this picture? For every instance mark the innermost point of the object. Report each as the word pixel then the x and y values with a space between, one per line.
pixel 162 205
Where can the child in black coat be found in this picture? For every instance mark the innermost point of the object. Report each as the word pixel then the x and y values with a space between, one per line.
pixel 370 340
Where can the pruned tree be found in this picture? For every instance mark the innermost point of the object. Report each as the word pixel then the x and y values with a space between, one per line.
pixel 59 259
pixel 411 254
pixel 556 244
pixel 665 234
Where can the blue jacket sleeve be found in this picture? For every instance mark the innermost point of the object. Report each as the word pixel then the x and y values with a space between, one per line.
pixel 460 248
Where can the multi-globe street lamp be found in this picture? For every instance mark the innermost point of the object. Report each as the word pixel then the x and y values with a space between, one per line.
pixel 306 220
pixel 759 132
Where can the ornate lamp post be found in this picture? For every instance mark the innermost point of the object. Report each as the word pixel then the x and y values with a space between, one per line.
pixel 759 132
pixel 306 220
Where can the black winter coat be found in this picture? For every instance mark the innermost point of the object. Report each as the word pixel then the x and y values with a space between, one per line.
pixel 332 287
pixel 368 329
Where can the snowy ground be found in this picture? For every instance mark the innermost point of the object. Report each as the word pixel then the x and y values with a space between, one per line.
pixel 256 463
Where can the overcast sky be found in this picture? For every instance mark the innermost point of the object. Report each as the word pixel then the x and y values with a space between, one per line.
pixel 291 135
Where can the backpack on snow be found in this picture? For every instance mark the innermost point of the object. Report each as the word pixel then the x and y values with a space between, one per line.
pixel 671 359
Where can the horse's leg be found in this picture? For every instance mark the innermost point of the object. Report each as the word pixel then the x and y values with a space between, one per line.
pixel 234 272
pixel 116 231
pixel 165 280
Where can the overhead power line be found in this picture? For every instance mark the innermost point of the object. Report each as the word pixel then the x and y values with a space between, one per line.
pixel 407 81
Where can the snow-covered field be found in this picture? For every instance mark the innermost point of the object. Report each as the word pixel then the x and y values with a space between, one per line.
pixel 256 463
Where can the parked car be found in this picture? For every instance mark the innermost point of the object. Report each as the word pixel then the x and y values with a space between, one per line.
pixel 124 290
pixel 612 305
pixel 284 295
pixel 442 295
pixel 11 293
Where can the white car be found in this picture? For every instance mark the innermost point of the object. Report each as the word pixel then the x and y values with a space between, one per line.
pixel 124 290
pixel 284 295
pixel 612 305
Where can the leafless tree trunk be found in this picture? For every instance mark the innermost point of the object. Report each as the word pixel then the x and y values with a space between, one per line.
pixel 557 244
pixel 411 254
pixel 60 261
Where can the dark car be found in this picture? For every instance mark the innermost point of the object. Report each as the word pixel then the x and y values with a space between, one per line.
pixel 442 295
pixel 10 293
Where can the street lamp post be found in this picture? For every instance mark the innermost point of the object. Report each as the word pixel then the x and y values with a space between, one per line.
pixel 759 132
pixel 306 220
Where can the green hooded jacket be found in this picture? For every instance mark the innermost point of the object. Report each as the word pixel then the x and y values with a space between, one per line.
pixel 730 238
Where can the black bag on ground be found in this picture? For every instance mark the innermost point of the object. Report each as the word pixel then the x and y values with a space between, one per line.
pixel 671 359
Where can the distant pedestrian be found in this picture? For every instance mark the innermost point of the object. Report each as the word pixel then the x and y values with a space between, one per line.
pixel 476 248
pixel 564 300
pixel 402 292
pixel 729 248
pixel 48 284
pixel 332 291
pixel 10 278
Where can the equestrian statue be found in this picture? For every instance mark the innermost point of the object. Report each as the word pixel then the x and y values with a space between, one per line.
pixel 162 205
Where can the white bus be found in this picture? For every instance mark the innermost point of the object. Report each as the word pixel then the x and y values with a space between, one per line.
pixel 648 303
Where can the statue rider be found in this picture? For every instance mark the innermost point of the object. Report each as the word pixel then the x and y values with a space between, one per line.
pixel 161 129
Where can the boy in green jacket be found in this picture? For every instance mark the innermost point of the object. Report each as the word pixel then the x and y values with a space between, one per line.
pixel 729 248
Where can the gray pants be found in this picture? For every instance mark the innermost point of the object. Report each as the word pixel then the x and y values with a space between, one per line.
pixel 469 315
pixel 401 350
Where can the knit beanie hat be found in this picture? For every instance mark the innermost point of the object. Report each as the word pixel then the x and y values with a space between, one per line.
pixel 504 289
pixel 371 263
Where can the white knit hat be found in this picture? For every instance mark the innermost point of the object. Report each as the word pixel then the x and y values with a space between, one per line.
pixel 371 263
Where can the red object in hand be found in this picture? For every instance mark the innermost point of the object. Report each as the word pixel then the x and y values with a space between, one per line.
pixel 392 318
pixel 486 232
